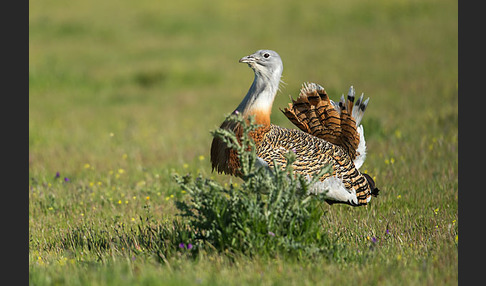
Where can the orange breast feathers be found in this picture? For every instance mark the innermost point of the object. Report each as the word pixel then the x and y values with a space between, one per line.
pixel 225 159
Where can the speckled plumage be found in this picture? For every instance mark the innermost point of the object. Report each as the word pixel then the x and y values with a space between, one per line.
pixel 312 154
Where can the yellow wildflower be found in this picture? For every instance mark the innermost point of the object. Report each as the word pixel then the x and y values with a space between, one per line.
pixel 398 134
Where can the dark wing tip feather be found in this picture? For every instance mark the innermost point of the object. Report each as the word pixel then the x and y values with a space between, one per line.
pixel 374 190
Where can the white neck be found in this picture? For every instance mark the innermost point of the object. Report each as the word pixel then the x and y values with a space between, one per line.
pixel 261 94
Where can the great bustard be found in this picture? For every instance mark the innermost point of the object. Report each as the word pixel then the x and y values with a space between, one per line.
pixel 328 134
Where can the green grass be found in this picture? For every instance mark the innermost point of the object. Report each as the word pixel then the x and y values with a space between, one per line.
pixel 124 95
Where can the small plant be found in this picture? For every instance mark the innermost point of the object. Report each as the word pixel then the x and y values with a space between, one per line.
pixel 271 213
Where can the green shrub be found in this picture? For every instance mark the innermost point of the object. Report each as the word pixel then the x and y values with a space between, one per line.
pixel 271 213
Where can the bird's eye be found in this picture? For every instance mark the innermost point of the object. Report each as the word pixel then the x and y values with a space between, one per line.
pixel 266 55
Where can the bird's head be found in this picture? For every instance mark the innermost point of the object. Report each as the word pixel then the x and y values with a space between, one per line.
pixel 265 62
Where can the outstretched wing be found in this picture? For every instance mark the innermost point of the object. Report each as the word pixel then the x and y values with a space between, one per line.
pixel 315 113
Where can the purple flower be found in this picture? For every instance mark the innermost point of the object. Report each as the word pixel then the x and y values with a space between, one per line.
pixel 373 239
pixel 271 233
pixel 387 231
pixel 183 245
pixel 57 175
pixel 66 179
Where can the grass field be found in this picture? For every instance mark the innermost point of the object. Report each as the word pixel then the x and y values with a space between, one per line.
pixel 122 95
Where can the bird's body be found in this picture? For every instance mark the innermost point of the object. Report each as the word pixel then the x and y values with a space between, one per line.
pixel 328 134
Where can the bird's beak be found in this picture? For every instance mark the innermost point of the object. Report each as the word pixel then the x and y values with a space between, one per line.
pixel 247 59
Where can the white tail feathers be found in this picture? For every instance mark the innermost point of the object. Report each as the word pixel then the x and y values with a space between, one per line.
pixel 359 109
pixel 359 160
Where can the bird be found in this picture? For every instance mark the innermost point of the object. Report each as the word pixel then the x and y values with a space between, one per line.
pixel 328 132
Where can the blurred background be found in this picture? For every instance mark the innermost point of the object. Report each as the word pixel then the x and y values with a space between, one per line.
pixel 145 81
